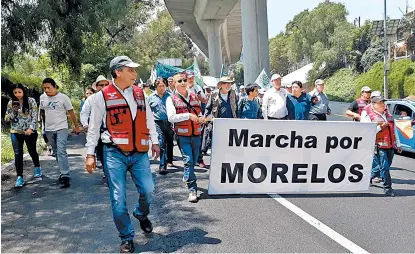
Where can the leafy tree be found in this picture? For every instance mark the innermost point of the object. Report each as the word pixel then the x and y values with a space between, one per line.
pixel 373 54
pixel 279 61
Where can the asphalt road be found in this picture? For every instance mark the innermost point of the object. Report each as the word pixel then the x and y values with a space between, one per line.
pixel 41 217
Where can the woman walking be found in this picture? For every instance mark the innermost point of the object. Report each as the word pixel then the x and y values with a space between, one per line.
pixel 22 113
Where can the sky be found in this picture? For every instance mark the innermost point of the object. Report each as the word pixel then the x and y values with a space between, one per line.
pixel 280 12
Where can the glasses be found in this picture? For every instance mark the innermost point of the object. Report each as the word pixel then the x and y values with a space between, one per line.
pixel 367 91
pixel 182 81
pixel 102 85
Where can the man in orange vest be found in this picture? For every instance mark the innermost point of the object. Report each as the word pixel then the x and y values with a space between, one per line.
pixel 184 111
pixel 387 140
pixel 128 124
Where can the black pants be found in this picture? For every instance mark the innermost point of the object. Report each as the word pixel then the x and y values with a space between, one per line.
pixel 274 118
pixel 100 151
pixel 318 117
pixel 17 142
pixel 165 134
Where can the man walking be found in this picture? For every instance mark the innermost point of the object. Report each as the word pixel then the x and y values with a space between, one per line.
pixel 355 109
pixel 55 106
pixel 387 140
pixel 299 103
pixel 157 102
pixel 183 110
pixel 321 108
pixel 274 105
pixel 85 114
pixel 223 102
pixel 128 122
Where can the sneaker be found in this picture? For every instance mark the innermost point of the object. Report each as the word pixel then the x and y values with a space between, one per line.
pixel 162 171
pixel 19 182
pixel 192 197
pixel 377 180
pixel 389 192
pixel 170 164
pixel 145 224
pixel 127 246
pixel 37 172
pixel 202 164
pixel 65 180
pixel 209 152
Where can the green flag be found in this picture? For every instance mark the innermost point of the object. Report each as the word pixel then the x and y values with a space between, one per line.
pixel 198 75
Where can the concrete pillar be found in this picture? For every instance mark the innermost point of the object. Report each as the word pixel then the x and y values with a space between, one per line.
pixel 214 45
pixel 255 46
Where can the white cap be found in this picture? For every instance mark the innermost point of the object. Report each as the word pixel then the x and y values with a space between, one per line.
pixel 275 76
pixel 319 82
pixel 262 91
pixel 365 89
pixel 242 87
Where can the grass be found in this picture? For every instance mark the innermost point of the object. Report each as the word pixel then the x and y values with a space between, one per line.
pixel 7 153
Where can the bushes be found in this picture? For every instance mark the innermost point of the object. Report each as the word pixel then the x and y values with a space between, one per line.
pixel 344 86
pixel 341 86
pixel 401 80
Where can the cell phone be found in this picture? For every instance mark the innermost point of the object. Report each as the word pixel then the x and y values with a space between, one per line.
pixel 16 103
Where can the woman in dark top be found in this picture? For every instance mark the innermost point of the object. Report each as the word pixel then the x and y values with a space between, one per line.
pixel 298 103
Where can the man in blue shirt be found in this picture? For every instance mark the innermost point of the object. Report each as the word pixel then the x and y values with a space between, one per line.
pixel 157 102
pixel 248 106
pixel 298 103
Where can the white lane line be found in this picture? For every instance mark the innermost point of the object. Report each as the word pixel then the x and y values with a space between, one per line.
pixel 343 241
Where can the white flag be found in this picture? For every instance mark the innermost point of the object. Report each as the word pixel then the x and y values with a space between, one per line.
pixel 262 80
pixel 153 75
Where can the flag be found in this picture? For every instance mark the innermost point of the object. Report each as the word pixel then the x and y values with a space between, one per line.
pixel 223 71
pixel 262 80
pixel 153 75
pixel 198 75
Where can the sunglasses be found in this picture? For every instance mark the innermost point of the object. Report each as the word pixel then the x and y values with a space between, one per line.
pixel 182 81
pixel 102 84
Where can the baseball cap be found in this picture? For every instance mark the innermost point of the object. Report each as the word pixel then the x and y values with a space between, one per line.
pixel 376 96
pixel 366 89
pixel 170 79
pixel 275 76
pixel 261 91
pixel 190 73
pixel 121 61
pixel 242 87
pixel 289 85
pixel 319 82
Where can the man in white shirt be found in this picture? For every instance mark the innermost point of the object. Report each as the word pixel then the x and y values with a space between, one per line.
pixel 387 139
pixel 128 122
pixel 56 105
pixel 274 103
pixel 99 83
pixel 184 111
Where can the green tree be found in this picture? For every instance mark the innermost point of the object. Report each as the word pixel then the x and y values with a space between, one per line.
pixel 373 54
pixel 279 61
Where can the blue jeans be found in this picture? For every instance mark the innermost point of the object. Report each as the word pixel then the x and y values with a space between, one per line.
pixel 58 140
pixel 116 165
pixel 382 162
pixel 189 146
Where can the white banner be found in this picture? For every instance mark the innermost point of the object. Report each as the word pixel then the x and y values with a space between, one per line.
pixel 258 157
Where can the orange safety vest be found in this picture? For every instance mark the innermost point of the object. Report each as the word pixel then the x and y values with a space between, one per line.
pixel 361 104
pixel 128 134
pixel 187 128
pixel 385 138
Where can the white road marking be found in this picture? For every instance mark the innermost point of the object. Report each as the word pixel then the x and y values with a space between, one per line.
pixel 343 241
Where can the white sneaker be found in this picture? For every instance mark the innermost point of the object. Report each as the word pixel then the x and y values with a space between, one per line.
pixel 192 197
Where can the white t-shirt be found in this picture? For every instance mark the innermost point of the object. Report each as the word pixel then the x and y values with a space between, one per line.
pixel 55 111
